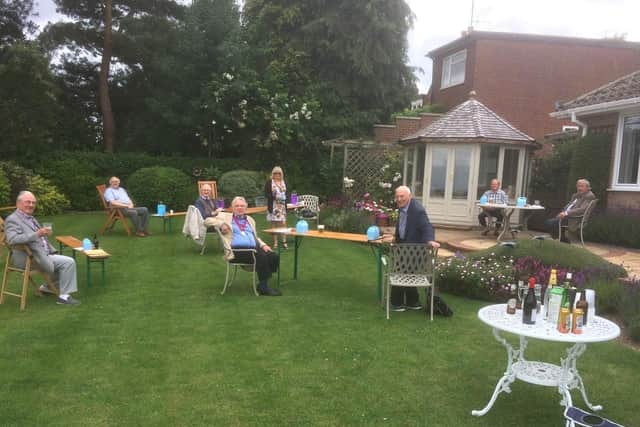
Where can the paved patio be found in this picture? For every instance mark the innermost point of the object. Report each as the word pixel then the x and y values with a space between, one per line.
pixel 470 240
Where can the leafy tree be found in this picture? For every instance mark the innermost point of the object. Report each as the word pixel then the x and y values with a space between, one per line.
pixel 14 21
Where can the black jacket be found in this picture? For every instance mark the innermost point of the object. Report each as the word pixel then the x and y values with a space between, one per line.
pixel 418 228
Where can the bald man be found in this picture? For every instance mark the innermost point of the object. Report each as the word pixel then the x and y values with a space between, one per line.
pixel 22 228
pixel 118 197
pixel 413 227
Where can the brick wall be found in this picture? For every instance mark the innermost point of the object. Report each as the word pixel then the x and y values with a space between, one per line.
pixel 623 202
pixel 403 127
pixel 522 79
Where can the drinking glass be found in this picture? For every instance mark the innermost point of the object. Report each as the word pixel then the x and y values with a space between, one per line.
pixel 47 225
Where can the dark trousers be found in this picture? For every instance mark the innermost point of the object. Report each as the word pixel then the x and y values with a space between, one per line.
pixel 486 213
pixel 551 225
pixel 267 263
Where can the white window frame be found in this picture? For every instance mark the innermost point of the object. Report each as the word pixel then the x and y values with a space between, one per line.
pixel 618 152
pixel 447 62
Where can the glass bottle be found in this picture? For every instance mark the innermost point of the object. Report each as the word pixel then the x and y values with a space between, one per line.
pixel 529 304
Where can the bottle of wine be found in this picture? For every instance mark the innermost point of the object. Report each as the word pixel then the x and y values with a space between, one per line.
pixel 529 304
pixel 583 305
pixel 96 243
pixel 553 280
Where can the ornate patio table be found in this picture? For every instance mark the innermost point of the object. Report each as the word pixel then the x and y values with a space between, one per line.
pixel 564 376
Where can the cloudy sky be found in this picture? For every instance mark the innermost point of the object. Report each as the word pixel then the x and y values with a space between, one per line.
pixel 437 23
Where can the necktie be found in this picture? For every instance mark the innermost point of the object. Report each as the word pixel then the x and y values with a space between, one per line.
pixel 402 223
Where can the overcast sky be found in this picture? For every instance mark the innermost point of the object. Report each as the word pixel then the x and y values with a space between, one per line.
pixel 437 23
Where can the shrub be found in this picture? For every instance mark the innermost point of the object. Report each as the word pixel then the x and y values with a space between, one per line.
pixel 50 200
pixel 149 186
pixel 346 220
pixel 591 160
pixel 241 183
pixel 77 180
pixel 18 178
pixel 5 189
pixel 616 229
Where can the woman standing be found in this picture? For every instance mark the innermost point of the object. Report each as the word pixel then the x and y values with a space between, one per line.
pixel 275 191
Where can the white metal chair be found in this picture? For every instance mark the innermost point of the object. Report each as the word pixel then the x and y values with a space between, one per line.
pixel 311 203
pixel 584 220
pixel 411 265
pixel 195 229
pixel 231 264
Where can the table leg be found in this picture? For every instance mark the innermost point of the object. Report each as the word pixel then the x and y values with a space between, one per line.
pixel 103 275
pixel 88 272
pixel 280 260
pixel 170 224
pixel 572 378
pixel 506 221
pixel 379 270
pixel 509 376
pixel 296 245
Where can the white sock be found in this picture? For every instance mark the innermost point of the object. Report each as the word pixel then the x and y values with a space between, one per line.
pixel 65 296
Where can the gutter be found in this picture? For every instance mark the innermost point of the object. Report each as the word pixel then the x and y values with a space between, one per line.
pixel 583 125
pixel 597 108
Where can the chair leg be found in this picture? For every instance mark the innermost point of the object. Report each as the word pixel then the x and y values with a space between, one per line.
pixel 25 285
pixel 433 291
pixel 226 280
pixel 388 299
pixel 581 237
pixel 253 275
pixel 5 278
pixel 123 219
pixel 204 246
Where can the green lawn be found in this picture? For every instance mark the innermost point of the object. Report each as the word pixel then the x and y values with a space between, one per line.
pixel 159 346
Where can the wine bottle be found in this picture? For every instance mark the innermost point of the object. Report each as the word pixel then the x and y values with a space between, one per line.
pixel 553 280
pixel 583 305
pixel 529 304
pixel 96 243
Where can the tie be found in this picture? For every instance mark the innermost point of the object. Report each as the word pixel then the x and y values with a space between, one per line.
pixel 402 223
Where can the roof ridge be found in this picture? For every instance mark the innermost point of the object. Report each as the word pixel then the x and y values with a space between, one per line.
pixel 598 89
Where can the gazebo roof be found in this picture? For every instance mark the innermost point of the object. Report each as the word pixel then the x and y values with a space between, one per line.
pixel 471 121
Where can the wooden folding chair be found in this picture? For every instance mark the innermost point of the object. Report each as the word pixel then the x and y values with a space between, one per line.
pixel 29 270
pixel 113 214
pixel 214 188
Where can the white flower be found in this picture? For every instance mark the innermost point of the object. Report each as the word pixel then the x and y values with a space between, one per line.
pixel 293 116
pixel 213 122
pixel 397 176
pixel 227 76
pixel 273 135
pixel 307 115
pixel 243 103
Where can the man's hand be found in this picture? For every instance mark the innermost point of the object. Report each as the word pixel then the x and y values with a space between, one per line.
pixel 562 215
pixel 224 229
pixel 434 244
pixel 44 232
pixel 266 248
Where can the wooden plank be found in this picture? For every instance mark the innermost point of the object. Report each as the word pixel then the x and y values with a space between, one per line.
pixel 69 241
pixel 333 235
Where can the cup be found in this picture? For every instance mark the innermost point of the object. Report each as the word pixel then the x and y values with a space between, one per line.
pixel 536 202
pixel 47 225
pixel 170 211
pixel 320 228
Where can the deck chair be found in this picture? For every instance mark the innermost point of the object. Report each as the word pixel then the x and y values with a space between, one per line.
pixel 411 265
pixel 113 214
pixel 230 276
pixel 30 269
pixel 311 203
pixel 214 188
pixel 584 220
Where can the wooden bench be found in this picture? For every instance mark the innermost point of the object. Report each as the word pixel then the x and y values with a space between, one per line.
pixel 92 256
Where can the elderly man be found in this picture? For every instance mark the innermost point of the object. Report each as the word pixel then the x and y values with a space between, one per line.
pixel 22 228
pixel 413 227
pixel 572 212
pixel 206 205
pixel 239 232
pixel 118 197
pixel 496 196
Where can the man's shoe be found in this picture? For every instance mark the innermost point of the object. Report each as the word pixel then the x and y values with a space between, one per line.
pixel 496 233
pixel 397 308
pixel 140 234
pixel 269 292
pixel 486 231
pixel 147 233
pixel 68 301
pixel 414 306
pixel 45 290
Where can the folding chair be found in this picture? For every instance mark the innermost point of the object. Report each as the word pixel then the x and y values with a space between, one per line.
pixel 195 229
pixel 214 188
pixel 113 214
pixel 584 220
pixel 30 269
pixel 230 277
pixel 413 266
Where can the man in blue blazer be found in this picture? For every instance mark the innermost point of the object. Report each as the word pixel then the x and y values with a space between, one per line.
pixel 413 227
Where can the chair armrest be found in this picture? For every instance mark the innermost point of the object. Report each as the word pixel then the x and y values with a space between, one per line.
pixel 22 247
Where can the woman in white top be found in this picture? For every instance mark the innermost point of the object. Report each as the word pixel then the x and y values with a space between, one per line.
pixel 275 191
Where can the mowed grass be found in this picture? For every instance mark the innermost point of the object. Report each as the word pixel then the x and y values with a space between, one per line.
pixel 159 346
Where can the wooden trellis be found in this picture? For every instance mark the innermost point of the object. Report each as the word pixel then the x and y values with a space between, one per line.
pixel 364 165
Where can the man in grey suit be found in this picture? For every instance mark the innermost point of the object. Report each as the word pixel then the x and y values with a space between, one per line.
pixel 572 213
pixel 22 228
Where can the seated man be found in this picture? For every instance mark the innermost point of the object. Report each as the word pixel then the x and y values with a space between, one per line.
pixel 22 228
pixel 572 212
pixel 206 205
pixel 497 196
pixel 117 196
pixel 239 232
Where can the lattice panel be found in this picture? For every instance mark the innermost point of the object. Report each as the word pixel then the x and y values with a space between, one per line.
pixel 411 259
pixel 364 166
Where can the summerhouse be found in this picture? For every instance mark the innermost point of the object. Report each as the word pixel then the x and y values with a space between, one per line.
pixel 450 163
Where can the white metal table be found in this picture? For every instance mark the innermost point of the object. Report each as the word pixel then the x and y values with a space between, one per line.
pixel 564 376
pixel 508 212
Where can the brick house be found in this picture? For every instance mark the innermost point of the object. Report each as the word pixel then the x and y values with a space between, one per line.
pixel 520 76
pixel 614 109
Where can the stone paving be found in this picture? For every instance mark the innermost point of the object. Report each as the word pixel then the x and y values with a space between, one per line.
pixel 470 240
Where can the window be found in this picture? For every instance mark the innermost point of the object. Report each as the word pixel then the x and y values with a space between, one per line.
pixel 453 69
pixel 629 154
pixel 489 157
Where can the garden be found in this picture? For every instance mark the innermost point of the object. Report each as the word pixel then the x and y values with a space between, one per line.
pixel 158 345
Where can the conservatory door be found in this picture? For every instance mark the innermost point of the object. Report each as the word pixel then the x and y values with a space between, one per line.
pixel 447 184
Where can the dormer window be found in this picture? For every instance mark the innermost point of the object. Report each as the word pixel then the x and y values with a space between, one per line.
pixel 453 69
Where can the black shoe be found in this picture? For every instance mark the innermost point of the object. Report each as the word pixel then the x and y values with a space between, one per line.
pixel 397 308
pixel 486 231
pixel 269 292
pixel 415 306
